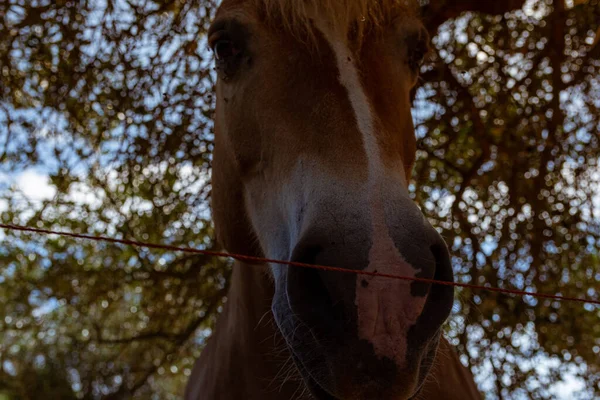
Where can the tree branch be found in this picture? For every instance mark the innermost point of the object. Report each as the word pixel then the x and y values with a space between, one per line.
pixel 437 12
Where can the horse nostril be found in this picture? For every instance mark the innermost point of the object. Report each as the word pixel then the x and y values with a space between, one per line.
pixel 440 269
pixel 443 264
pixel 306 254
pixel 305 283
pixel 440 298
pixel 443 294
pixel 309 295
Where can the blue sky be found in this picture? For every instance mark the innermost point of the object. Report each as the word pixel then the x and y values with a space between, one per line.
pixel 34 184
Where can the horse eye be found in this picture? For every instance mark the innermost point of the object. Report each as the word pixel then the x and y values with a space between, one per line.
pixel 417 55
pixel 416 58
pixel 417 45
pixel 224 49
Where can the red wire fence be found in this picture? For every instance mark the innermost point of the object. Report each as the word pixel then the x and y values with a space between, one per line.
pixel 262 260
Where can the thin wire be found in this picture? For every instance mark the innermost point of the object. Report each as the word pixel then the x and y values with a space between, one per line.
pixel 263 260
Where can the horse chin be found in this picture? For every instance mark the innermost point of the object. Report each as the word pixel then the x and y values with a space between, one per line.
pixel 335 363
pixel 320 391
pixel 315 389
pixel 427 364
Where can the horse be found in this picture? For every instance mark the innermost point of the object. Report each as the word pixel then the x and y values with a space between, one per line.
pixel 313 150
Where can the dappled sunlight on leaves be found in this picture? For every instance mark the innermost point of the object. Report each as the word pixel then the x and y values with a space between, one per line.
pixel 509 173
pixel 105 128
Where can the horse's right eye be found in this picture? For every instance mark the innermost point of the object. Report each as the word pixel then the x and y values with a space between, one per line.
pixel 224 49
pixel 228 40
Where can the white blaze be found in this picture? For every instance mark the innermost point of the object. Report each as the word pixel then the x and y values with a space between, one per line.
pixel 385 307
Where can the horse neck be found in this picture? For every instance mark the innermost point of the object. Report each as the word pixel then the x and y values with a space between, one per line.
pixel 246 354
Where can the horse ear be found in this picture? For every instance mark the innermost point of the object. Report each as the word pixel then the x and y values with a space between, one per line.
pixel 232 225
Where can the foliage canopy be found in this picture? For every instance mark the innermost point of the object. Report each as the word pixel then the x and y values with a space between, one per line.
pixel 105 128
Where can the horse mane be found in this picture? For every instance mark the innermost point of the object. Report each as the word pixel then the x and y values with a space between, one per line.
pixel 343 16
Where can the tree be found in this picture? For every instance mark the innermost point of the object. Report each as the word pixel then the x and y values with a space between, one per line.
pixel 514 143
pixel 105 129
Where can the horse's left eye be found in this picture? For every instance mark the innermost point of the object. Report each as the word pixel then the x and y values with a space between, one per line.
pixel 417 45
pixel 224 49
pixel 417 53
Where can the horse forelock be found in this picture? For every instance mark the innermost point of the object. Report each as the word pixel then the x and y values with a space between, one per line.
pixel 343 16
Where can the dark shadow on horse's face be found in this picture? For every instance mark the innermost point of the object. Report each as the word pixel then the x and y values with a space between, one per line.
pixel 362 337
pixel 314 146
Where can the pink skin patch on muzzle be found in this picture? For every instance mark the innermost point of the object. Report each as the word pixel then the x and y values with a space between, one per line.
pixel 386 309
